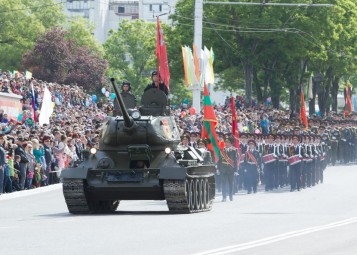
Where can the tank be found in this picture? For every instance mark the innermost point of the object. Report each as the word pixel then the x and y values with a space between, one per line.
pixel 140 158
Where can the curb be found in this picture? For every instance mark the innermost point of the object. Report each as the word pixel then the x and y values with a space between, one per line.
pixel 25 193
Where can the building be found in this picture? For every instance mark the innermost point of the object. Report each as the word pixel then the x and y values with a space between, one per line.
pixel 106 14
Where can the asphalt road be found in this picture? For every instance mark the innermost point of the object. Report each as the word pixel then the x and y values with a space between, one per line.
pixel 318 220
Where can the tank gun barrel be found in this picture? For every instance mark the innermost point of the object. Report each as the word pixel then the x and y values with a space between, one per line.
pixel 127 119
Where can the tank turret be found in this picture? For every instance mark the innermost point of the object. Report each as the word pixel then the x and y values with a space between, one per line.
pixel 139 158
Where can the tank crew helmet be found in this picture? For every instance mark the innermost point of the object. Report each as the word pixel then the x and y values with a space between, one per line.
pixel 125 83
pixel 154 73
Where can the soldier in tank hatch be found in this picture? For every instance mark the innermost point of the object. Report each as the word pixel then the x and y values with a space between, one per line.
pixel 157 83
pixel 128 97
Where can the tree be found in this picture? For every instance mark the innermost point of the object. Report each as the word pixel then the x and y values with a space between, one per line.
pixel 87 69
pixel 130 52
pixel 57 59
pixel 51 57
pixel 271 47
pixel 21 22
pixel 80 31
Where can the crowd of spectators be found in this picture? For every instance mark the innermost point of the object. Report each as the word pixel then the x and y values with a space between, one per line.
pixel 34 155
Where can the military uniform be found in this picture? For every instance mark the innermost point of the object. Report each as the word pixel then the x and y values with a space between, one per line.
pixel 228 167
pixel 296 167
pixel 270 167
pixel 252 162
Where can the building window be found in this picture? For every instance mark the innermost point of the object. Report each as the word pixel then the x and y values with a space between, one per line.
pixel 155 7
pixel 121 9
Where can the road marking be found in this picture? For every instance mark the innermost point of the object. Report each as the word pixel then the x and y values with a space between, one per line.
pixel 277 238
pixel 25 193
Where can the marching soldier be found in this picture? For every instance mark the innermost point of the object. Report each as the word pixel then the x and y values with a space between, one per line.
pixel 228 168
pixel 295 156
pixel 308 158
pixel 242 167
pixel 282 160
pixel 334 146
pixel 252 162
pixel 269 160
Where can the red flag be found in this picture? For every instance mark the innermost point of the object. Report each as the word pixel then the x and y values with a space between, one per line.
pixel 348 99
pixel 161 55
pixel 235 132
pixel 303 116
pixel 209 124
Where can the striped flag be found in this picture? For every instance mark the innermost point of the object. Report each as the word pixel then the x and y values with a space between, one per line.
pixel 33 103
pixel 209 124
pixel 197 64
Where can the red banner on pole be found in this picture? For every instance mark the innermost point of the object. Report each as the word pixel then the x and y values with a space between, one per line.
pixel 161 55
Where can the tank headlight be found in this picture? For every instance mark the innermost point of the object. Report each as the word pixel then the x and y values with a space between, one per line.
pixel 168 150
pixel 135 115
pixel 93 151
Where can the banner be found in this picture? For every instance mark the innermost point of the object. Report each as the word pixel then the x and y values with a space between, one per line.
pixel 161 55
pixel 46 109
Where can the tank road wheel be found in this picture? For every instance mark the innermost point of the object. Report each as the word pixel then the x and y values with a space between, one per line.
pixel 191 195
pixel 205 195
pixel 198 191
pixel 187 191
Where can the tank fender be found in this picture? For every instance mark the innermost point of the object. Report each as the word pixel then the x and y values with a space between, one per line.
pixel 78 173
pixel 169 169
pixel 173 172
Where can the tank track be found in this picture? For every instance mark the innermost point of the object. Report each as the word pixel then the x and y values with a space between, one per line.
pixel 77 202
pixel 194 194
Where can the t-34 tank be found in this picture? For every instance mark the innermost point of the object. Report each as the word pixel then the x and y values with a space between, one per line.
pixel 139 158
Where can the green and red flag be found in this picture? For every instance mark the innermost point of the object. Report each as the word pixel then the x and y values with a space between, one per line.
pixel 209 124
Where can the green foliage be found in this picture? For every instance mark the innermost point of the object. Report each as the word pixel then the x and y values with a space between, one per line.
pixel 21 24
pixel 58 59
pixel 131 53
pixel 274 43
pixel 81 31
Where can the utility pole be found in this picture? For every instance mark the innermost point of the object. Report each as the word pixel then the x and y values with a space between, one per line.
pixel 197 38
